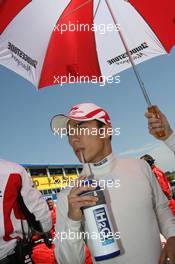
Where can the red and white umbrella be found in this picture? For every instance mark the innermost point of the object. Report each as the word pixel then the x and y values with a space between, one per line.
pixel 32 44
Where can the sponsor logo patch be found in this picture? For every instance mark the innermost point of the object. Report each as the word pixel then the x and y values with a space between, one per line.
pixel 123 58
pixel 106 235
pixel 20 54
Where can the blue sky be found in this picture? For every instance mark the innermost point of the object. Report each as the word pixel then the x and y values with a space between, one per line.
pixel 26 113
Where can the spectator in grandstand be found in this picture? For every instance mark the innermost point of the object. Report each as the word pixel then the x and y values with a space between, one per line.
pixel 14 181
pixel 139 207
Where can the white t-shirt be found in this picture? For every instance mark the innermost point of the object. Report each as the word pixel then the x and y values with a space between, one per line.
pixel 140 211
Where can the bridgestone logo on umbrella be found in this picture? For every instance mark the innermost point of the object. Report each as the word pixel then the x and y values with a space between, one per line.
pixel 21 54
pixel 124 55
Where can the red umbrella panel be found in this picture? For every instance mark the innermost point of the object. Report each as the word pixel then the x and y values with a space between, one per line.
pixel 49 42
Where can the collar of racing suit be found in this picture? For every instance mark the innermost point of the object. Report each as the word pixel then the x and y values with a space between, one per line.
pixel 101 169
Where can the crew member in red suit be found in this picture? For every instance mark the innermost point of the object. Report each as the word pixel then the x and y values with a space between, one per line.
pixel 52 209
pixel 41 253
pixel 162 179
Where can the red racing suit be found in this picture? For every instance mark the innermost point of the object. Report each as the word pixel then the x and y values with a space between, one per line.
pixel 53 217
pixel 164 184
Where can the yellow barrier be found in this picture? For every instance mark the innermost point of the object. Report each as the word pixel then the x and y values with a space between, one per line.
pixel 55 181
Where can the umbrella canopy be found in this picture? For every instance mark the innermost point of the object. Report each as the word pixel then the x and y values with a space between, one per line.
pixel 51 42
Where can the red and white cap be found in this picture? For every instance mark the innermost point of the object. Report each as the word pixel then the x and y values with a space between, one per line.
pixel 80 112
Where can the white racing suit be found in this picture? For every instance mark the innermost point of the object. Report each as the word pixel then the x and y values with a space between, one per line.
pixel 14 178
pixel 140 212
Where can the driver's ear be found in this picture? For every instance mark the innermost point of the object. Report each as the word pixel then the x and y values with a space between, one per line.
pixel 108 131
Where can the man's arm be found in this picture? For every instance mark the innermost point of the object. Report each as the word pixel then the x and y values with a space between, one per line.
pixel 170 141
pixel 165 218
pixel 69 238
pixel 158 124
pixel 34 202
pixel 69 246
pixel 161 124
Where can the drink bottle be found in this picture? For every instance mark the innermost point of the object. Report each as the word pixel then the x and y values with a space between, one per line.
pixel 99 226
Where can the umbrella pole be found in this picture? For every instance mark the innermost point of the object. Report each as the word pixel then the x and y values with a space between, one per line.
pixel 142 86
pixel 151 108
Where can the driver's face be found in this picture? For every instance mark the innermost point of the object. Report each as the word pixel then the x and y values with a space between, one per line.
pixel 88 142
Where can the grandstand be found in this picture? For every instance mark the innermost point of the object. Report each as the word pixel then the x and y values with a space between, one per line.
pixel 50 179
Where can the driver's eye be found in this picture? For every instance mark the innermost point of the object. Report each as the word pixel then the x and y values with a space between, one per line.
pixel 81 124
pixel 77 127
